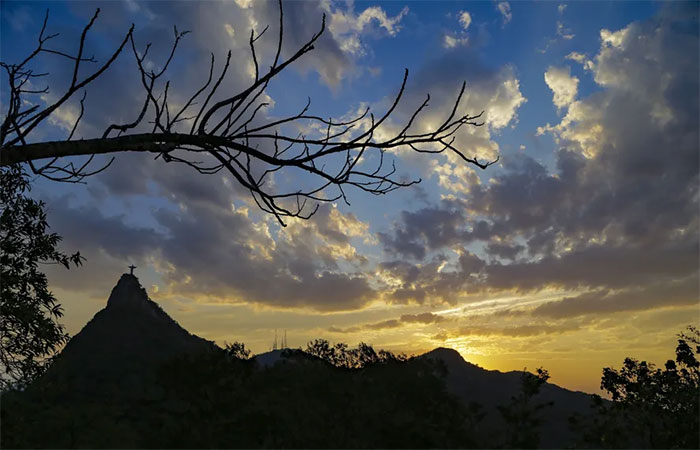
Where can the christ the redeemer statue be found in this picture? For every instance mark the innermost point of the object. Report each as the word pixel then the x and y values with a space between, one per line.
pixel 132 267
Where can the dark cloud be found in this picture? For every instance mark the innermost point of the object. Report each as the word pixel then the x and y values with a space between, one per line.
pixel 86 224
pixel 515 331
pixel 599 266
pixel 426 282
pixel 503 250
pixel 425 229
pixel 208 249
pixel 425 318
pixel 421 318
pixel 392 323
pixel 677 293
pixel 227 255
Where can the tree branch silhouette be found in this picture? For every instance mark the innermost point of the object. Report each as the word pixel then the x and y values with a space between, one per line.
pixel 228 134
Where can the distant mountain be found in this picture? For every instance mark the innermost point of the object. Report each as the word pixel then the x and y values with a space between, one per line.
pixel 491 388
pixel 122 345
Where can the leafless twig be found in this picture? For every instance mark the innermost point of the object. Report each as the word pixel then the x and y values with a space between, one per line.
pixel 229 134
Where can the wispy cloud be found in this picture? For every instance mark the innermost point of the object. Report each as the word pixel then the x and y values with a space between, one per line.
pixel 504 9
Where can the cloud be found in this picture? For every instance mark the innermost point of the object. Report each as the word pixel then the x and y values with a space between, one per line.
pixel 347 27
pixel 202 238
pixel 108 233
pixel 375 13
pixel 452 42
pixel 581 59
pixel 617 214
pixel 205 248
pixel 512 331
pixel 108 243
pixel 459 39
pixel 504 9
pixel 674 293
pixel 616 210
pixel 465 19
pixel 496 91
pixel 562 84
pixel 433 227
pixel 457 178
pixel 576 56
pixel 504 250
pixel 232 257
pixel 244 3
pixel 591 266
pixel 426 318
pixel 563 32
pixel 229 30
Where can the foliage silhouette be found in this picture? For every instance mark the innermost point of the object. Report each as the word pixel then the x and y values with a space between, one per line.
pixel 212 399
pixel 651 407
pixel 237 350
pixel 29 330
pixel 522 413
pixel 339 355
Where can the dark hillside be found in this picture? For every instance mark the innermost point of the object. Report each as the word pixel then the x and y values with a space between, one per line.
pixel 492 388
pixel 121 347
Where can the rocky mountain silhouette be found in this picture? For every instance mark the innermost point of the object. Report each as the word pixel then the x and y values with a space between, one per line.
pixel 122 345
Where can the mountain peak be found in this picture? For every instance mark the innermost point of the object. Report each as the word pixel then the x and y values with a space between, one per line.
pixel 129 295
pixel 126 341
pixel 128 291
pixel 449 355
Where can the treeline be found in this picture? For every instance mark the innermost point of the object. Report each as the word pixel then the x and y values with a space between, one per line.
pixel 651 407
pixel 224 400
pixel 334 396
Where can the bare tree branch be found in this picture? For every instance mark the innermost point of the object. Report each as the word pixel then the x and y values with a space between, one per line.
pixel 228 135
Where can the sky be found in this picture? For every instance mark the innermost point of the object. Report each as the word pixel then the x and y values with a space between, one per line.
pixel 577 249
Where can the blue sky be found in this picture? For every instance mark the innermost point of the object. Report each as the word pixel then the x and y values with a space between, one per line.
pixel 578 248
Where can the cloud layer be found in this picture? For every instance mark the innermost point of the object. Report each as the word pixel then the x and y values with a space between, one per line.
pixel 617 217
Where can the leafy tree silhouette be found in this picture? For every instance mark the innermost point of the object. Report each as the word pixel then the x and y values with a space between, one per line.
pixel 340 355
pixel 213 400
pixel 29 330
pixel 651 407
pixel 522 413
pixel 237 350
